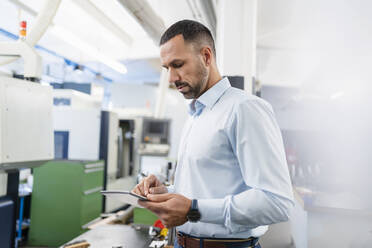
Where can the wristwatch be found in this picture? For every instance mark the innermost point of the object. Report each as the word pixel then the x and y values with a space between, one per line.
pixel 194 215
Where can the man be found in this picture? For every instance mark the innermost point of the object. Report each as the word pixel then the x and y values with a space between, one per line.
pixel 232 179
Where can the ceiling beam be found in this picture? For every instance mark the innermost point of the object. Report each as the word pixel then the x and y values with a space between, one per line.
pixel 146 17
pixel 102 18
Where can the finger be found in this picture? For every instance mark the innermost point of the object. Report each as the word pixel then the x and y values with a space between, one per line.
pixel 158 190
pixel 149 182
pixel 157 208
pixel 159 197
pixel 148 206
pixel 141 189
pixel 136 191
pixel 141 203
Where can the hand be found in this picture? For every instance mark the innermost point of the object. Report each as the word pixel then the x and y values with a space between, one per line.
pixel 148 185
pixel 171 209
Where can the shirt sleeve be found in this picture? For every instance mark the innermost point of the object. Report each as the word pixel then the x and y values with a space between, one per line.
pixel 170 188
pixel 257 143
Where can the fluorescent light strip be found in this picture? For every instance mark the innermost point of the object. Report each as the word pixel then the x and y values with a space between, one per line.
pixel 75 41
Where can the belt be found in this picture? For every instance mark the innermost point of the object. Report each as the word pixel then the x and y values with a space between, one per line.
pixel 187 241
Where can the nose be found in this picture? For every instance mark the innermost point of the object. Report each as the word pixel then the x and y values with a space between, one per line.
pixel 173 76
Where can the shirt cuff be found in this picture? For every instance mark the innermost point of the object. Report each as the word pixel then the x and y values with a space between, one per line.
pixel 211 210
pixel 170 188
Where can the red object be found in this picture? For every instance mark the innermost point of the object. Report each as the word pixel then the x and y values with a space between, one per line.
pixel 23 24
pixel 159 224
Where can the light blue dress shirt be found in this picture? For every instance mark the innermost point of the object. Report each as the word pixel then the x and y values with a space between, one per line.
pixel 231 158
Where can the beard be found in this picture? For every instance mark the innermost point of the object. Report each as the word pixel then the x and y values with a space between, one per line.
pixel 193 92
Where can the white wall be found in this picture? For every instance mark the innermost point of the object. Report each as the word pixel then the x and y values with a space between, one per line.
pixel 312 42
pixel 236 39
pixel 126 95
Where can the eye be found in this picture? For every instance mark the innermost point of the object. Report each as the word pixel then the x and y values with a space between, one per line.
pixel 177 65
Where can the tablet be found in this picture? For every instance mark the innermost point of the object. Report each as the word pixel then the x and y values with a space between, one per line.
pixel 125 196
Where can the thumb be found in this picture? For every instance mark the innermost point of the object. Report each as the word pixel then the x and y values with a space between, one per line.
pixel 158 190
pixel 159 197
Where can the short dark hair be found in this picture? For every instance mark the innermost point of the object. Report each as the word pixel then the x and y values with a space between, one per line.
pixel 192 31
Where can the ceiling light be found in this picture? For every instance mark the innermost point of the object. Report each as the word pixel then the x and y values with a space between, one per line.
pixel 75 41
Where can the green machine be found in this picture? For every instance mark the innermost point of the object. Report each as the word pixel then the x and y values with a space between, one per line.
pixel 144 217
pixel 66 196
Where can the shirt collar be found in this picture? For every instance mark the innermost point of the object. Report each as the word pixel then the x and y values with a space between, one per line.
pixel 210 97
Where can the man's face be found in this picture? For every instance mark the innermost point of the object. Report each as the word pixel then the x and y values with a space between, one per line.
pixel 187 71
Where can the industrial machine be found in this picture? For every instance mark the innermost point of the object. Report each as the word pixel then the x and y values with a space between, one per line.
pixel 26 131
pixel 94 90
pixel 77 120
pixel 117 149
pixel 25 123
pixel 153 147
pixel 236 81
pixel 65 199
pixel 154 137
pixel 71 184
pixel 126 141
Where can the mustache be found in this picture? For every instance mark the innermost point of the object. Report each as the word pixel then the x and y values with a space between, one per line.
pixel 179 84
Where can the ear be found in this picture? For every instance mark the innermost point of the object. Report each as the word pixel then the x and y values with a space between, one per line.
pixel 206 53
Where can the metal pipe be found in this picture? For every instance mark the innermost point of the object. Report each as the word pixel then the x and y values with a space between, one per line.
pixel 210 14
pixel 91 9
pixel 44 18
pixel 32 60
pixel 146 17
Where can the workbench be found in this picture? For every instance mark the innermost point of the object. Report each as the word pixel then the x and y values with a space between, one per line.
pixel 109 236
